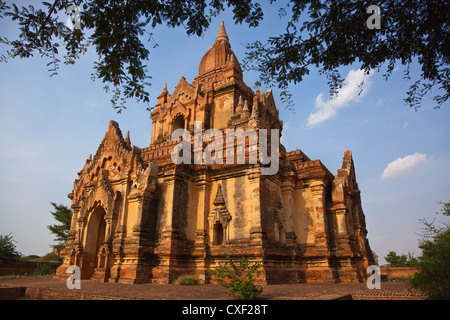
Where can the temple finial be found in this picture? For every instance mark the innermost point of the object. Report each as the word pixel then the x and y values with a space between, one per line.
pixel 245 106
pixel 222 34
pixel 164 90
pixel 245 111
pixel 254 115
pixel 232 61
pixel 127 139
pixel 240 105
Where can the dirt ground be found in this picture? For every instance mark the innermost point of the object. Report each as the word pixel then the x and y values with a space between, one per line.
pixel 53 289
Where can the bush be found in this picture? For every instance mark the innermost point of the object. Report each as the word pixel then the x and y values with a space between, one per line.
pixel 402 260
pixel 43 269
pixel 8 252
pixel 187 280
pixel 384 277
pixel 433 276
pixel 239 279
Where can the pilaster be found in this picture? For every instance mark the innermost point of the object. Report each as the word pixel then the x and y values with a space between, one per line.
pixel 287 191
pixel 256 230
pixel 318 192
pixel 203 186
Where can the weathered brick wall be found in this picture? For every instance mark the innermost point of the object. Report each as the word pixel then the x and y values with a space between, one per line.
pixel 22 267
pixel 398 272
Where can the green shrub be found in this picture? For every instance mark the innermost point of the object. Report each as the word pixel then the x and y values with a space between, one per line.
pixel 239 279
pixel 187 280
pixel 8 252
pixel 42 269
pixel 433 275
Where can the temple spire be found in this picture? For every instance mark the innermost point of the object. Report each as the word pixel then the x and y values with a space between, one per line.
pixel 240 105
pixel 254 115
pixel 164 90
pixel 222 34
pixel 245 112
pixel 127 139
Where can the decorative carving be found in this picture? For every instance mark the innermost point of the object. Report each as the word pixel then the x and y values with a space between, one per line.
pixel 219 219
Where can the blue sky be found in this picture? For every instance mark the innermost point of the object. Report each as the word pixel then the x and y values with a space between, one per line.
pixel 50 125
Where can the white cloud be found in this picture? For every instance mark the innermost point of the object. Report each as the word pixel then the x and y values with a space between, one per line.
pixel 350 91
pixel 403 166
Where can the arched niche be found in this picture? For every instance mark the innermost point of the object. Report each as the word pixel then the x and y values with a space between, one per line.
pixel 95 236
pixel 178 122
pixel 218 234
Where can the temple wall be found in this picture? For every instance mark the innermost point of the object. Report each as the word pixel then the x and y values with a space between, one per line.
pixel 272 217
pixel 236 192
pixel 192 210
pixel 221 111
pixel 303 220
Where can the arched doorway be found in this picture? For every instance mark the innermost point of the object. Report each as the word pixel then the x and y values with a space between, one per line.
pixel 95 236
pixel 178 123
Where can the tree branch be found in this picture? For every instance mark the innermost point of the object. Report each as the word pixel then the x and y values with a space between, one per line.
pixel 43 25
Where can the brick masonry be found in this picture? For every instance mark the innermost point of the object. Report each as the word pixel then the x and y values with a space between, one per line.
pixel 24 267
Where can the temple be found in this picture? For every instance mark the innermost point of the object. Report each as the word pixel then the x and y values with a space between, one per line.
pixel 139 217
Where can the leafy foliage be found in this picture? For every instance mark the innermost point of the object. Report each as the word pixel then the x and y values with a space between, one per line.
pixel 117 30
pixel 433 276
pixel 239 279
pixel 331 34
pixel 187 280
pixel 63 215
pixel 402 260
pixel 322 34
pixel 42 269
pixel 8 252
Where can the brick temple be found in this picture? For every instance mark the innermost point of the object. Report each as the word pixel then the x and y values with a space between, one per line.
pixel 138 217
